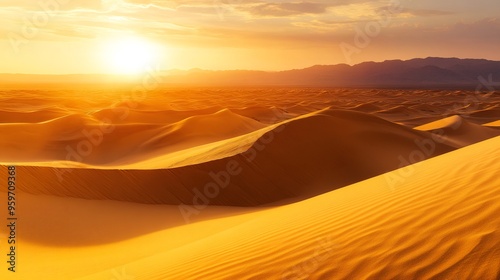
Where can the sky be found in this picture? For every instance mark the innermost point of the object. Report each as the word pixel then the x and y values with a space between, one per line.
pixel 125 36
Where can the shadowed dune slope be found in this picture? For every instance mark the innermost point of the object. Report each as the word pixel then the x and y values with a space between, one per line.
pixel 301 158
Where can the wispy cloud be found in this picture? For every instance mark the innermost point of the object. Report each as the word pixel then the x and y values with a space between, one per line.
pixel 287 9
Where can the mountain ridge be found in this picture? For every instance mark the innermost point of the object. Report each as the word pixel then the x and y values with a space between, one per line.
pixel 415 73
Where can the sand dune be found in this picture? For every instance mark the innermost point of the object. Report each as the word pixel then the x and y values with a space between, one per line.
pixel 299 158
pixel 28 117
pixel 439 221
pixel 168 105
pixel 368 107
pixel 399 110
pixel 458 132
pixel 269 115
pixel 491 111
pixel 119 115
pixel 82 139
pixel 253 183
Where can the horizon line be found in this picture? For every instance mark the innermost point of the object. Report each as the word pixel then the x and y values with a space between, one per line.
pixel 239 69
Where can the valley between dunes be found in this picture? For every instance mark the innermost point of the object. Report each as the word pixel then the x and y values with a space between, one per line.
pixel 277 183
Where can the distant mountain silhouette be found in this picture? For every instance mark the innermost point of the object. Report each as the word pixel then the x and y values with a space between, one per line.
pixel 428 72
pixel 415 73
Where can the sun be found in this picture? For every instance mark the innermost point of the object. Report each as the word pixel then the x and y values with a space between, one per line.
pixel 131 55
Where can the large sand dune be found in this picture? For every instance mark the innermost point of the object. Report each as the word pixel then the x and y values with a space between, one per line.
pixel 299 158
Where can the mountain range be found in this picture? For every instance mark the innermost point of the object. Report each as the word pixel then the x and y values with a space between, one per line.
pixel 431 72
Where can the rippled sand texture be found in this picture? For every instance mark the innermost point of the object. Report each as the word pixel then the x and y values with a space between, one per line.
pixel 255 183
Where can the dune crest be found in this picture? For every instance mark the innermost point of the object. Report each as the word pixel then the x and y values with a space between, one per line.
pixel 493 124
pixel 458 131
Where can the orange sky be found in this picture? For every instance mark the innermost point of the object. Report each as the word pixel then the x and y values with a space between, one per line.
pixel 114 36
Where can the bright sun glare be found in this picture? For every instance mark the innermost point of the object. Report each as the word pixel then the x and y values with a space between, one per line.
pixel 130 55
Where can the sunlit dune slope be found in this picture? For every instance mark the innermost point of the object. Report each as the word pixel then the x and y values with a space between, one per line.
pixel 437 219
pixel 300 158
pixel 493 124
pixel 458 132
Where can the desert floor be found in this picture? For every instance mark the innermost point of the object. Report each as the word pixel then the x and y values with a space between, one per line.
pixel 252 183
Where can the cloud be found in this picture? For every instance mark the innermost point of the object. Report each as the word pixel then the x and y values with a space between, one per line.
pixel 62 5
pixel 68 25
pixel 254 23
pixel 295 8
pixel 419 12
pixel 287 9
pixel 320 34
pixel 427 13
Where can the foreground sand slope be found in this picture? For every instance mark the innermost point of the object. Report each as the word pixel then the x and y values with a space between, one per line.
pixel 437 219
pixel 441 222
pixel 300 158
